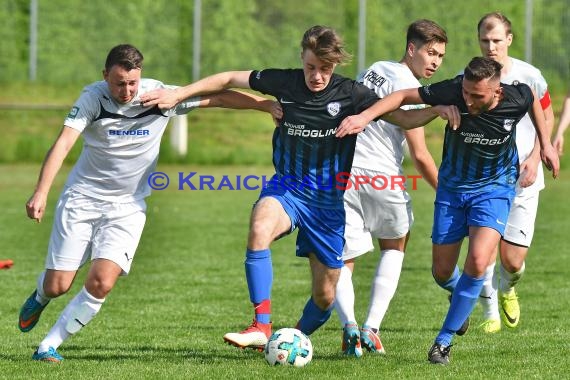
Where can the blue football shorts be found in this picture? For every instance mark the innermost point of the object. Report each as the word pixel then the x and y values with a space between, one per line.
pixel 454 213
pixel 321 231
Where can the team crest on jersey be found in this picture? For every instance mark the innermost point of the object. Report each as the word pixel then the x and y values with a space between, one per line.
pixel 73 113
pixel 333 108
pixel 508 124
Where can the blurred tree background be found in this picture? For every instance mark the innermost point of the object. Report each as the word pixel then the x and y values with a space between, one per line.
pixel 75 35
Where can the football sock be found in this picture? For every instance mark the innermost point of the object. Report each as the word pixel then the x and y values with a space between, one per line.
pixel 488 296
pixel 451 282
pixel 58 333
pixel 313 317
pixel 509 280
pixel 463 300
pixel 344 302
pixel 40 295
pixel 259 275
pixel 384 286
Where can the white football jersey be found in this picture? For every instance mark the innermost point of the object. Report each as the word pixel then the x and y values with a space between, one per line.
pixel 381 146
pixel 120 142
pixel 523 72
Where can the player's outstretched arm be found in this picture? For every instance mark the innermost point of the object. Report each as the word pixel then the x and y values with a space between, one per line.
pixel 356 123
pixel 411 119
pixel 563 124
pixel 166 99
pixel 36 205
pixel 242 100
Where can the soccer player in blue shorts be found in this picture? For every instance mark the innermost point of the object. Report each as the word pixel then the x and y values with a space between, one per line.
pixel 477 176
pixel 309 160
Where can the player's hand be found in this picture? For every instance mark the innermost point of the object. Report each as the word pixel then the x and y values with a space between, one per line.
pixel 164 98
pixel 36 206
pixel 351 125
pixel 558 144
pixel 528 170
pixel 550 159
pixel 449 113
pixel 276 112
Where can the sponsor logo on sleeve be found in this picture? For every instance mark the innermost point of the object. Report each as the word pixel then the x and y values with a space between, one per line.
pixel 73 113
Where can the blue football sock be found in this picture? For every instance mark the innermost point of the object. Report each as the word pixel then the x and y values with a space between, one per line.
pixel 450 283
pixel 313 317
pixel 463 300
pixel 259 275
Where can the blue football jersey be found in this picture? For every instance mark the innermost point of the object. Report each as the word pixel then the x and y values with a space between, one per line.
pixel 307 155
pixel 481 154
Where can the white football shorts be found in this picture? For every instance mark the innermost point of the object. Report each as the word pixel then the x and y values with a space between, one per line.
pixel 374 213
pixel 89 228
pixel 520 224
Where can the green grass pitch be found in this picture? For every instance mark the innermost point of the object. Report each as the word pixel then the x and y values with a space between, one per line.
pixel 187 288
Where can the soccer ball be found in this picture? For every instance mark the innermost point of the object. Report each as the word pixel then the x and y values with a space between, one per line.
pixel 289 347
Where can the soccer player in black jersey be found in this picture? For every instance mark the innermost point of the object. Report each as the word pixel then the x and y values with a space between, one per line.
pixel 477 176
pixel 312 167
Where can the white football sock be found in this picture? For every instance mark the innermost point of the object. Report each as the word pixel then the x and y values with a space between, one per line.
pixel 40 294
pixel 509 280
pixel 384 286
pixel 344 302
pixel 58 333
pixel 488 296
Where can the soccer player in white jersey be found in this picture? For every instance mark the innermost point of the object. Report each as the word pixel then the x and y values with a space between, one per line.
pixel 385 214
pixel 100 214
pixel 495 37
pixel 558 141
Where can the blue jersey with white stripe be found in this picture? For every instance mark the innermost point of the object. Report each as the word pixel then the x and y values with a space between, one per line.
pixel 481 154
pixel 306 154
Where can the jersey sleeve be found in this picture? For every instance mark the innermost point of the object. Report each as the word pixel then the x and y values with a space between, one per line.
pixel 540 86
pixel 526 96
pixel 83 111
pixel 269 81
pixel 363 97
pixel 447 92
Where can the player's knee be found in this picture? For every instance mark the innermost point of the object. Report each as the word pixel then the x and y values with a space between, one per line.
pixel 56 288
pixel 441 274
pixel 99 287
pixel 324 299
pixel 260 228
pixel 260 235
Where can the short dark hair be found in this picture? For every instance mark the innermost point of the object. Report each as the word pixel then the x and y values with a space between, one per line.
pixel 126 56
pixel 480 68
pixel 491 19
pixel 326 44
pixel 422 32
